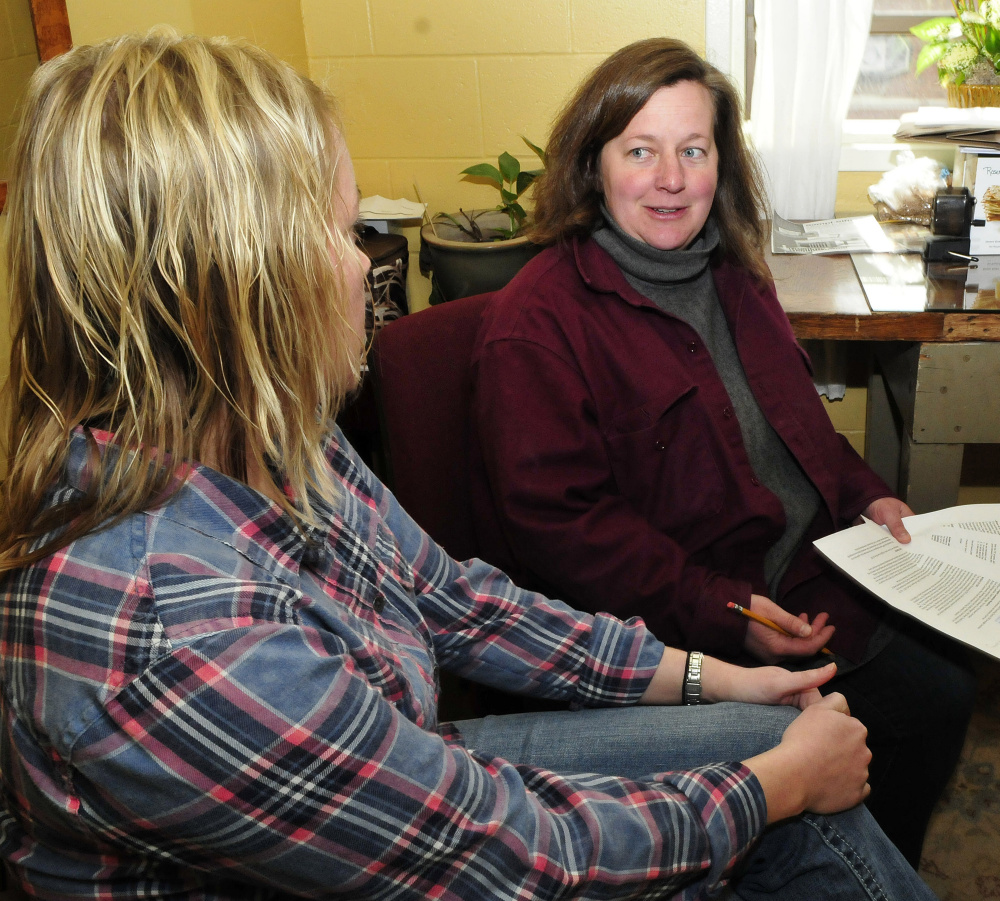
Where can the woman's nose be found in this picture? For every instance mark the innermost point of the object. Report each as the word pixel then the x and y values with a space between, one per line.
pixel 670 176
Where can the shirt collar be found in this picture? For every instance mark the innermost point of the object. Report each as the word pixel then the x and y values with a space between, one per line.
pixel 213 503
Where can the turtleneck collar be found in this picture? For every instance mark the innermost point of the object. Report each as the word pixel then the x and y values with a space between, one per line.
pixel 649 264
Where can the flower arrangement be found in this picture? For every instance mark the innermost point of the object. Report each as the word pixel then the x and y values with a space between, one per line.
pixel 966 46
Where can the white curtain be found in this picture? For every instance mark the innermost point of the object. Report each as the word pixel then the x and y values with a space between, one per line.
pixel 808 55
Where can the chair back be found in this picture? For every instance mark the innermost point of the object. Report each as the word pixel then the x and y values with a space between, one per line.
pixel 420 367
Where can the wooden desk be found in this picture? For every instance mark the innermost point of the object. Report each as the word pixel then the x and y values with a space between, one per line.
pixel 935 376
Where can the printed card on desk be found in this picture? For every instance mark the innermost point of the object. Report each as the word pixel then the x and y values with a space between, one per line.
pixel 984 236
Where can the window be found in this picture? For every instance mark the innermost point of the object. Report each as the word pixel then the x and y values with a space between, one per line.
pixel 886 86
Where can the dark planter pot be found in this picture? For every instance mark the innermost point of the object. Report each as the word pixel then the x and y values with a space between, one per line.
pixel 461 267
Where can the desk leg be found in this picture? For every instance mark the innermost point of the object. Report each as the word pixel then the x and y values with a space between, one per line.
pixel 925 474
pixel 930 475
pixel 883 428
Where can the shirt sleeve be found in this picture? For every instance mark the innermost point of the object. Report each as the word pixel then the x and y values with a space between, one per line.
pixel 486 628
pixel 263 755
pixel 859 484
pixel 556 495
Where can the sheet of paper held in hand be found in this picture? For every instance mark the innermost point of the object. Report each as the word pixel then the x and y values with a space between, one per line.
pixel 948 576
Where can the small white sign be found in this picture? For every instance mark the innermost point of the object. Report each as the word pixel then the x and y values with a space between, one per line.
pixel 984 236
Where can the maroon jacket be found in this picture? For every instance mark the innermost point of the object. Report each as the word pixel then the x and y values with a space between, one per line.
pixel 614 472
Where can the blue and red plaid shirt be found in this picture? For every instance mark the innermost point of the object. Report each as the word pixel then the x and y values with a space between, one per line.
pixel 203 702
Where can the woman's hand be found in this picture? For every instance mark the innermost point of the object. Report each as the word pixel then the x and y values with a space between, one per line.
pixel 721 681
pixel 769 646
pixel 889 512
pixel 820 765
pixel 764 684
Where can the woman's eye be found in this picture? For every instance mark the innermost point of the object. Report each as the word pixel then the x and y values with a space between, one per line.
pixel 694 152
pixel 639 153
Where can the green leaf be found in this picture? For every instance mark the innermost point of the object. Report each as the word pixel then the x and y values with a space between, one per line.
pixel 524 181
pixel 929 54
pixel 485 170
pixel 991 42
pixel 518 212
pixel 539 152
pixel 509 166
pixel 934 29
pixel 507 197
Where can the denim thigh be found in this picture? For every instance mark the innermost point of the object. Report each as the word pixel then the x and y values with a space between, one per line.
pixel 631 742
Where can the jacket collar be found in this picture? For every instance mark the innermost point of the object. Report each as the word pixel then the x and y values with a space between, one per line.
pixel 601 274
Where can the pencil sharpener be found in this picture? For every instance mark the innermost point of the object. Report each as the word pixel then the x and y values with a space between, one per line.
pixel 951 212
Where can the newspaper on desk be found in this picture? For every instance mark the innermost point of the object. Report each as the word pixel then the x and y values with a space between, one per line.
pixel 948 576
pixel 861 234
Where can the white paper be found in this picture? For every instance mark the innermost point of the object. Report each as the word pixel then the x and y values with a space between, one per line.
pixel 949 118
pixel 379 207
pixel 892 282
pixel 861 233
pixel 948 576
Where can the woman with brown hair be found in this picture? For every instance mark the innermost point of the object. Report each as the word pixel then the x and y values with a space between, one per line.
pixel 653 443
pixel 220 635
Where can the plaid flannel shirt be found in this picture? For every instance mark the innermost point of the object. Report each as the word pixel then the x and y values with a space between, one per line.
pixel 204 702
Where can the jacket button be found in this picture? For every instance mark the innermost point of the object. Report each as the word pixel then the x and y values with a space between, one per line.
pixel 727 413
pixel 692 347
pixel 660 446
pixel 755 482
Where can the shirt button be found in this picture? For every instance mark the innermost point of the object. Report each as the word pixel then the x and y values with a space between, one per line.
pixel 379 604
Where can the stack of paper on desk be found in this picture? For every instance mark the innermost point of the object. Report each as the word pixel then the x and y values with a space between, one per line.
pixel 948 576
pixel 975 127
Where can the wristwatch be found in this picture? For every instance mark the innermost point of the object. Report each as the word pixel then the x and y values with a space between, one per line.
pixel 691 693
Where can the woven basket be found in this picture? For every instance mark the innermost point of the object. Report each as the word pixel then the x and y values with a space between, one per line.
pixel 965 95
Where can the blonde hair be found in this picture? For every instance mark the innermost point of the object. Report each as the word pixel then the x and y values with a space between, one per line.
pixel 174 279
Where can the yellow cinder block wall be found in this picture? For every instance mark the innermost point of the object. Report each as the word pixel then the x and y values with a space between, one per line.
pixel 429 87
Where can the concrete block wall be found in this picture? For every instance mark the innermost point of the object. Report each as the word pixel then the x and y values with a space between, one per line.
pixel 429 87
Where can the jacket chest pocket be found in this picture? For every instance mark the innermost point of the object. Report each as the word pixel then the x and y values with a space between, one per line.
pixel 662 458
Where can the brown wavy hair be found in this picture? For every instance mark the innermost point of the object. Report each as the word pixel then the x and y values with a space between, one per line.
pixel 171 249
pixel 568 195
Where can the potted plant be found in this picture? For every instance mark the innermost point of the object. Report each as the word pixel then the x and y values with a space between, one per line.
pixel 474 251
pixel 966 49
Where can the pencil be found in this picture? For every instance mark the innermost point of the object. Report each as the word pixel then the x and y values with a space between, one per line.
pixel 764 621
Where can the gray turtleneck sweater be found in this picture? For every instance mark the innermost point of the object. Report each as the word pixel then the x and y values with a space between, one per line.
pixel 680 283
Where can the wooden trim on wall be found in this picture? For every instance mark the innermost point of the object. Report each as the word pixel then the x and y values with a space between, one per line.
pixel 51 22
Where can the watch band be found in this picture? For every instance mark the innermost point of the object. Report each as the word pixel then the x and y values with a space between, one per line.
pixel 691 693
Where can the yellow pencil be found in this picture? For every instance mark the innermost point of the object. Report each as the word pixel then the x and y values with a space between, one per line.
pixel 764 621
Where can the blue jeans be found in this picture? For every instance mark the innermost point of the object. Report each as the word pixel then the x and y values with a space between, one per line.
pixel 808 858
pixel 916 698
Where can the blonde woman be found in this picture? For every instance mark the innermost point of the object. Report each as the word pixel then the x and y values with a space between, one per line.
pixel 220 635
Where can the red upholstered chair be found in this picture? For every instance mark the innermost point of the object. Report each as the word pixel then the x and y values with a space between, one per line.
pixel 420 371
pixel 420 367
